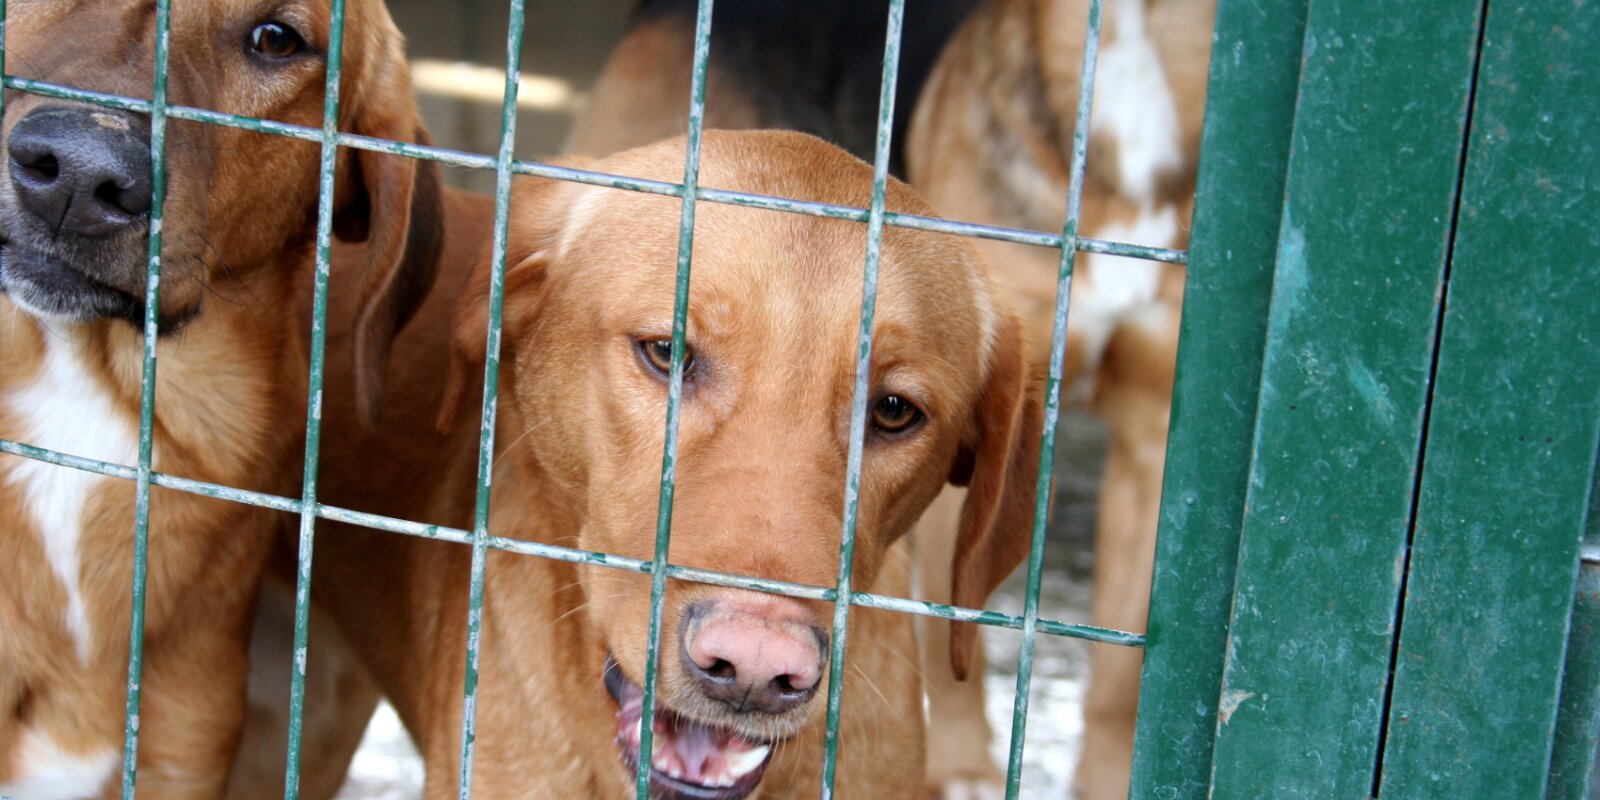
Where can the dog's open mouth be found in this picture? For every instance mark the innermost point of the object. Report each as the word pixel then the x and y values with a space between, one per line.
pixel 689 760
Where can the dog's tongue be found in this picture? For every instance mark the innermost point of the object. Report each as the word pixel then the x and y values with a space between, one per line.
pixel 686 750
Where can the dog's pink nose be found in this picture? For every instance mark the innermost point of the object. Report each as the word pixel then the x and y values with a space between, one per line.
pixel 762 654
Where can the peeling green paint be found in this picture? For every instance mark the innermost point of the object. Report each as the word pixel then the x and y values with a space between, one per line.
pixel 147 397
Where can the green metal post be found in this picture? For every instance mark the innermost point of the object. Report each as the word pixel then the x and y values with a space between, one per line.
pixel 1512 434
pixel 1255 65
pixel 1344 388
pixel 1577 731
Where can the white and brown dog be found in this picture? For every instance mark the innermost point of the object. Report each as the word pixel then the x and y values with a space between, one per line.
pixel 991 143
pixel 75 194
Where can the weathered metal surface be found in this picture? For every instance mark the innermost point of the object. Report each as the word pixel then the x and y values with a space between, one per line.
pixel 1372 182
pixel 491 396
pixel 147 397
pixel 313 440
pixel 1250 109
pixel 1052 399
pixel 1577 733
pixel 1513 427
pixel 669 449
pixel 861 394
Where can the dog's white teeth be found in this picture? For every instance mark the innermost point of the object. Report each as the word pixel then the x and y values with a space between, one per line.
pixel 674 773
pixel 742 764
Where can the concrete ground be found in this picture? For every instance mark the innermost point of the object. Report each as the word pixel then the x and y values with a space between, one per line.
pixel 458 49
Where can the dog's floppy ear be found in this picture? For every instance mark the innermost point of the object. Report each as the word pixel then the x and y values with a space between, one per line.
pixel 395 205
pixel 1000 465
pixel 537 224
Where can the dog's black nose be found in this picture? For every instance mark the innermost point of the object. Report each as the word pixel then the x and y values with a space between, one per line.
pixel 81 172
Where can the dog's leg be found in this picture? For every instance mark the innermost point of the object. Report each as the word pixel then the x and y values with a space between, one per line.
pixel 340 698
pixel 1134 399
pixel 959 766
pixel 189 721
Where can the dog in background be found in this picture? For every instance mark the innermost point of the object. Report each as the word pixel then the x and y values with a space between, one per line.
pixel 75 192
pixel 991 143
pixel 812 66
pixel 770 363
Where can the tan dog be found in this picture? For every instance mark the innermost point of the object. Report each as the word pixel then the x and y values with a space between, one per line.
pixel 239 223
pixel 991 143
pixel 773 312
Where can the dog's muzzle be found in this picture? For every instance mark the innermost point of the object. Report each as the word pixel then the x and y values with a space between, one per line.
pixel 689 760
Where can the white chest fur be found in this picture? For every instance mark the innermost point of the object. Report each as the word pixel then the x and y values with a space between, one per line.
pixel 66 409
pixel 46 772
pixel 1133 106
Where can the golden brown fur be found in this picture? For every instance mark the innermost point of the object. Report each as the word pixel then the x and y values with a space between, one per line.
pixel 773 313
pixel 991 143
pixel 231 383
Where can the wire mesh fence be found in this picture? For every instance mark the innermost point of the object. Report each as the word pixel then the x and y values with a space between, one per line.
pixel 505 165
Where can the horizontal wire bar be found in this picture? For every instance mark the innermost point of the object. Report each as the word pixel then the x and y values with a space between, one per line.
pixel 458 158
pixel 445 533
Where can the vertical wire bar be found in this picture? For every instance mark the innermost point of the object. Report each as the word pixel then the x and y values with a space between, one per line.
pixel 858 402
pixel 147 397
pixel 1052 408
pixel 491 389
pixel 319 338
pixel 669 454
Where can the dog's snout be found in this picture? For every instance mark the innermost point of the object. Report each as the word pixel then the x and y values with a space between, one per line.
pixel 764 655
pixel 81 172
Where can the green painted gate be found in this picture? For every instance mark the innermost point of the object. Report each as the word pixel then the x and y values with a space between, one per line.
pixel 1372 575
pixel 1383 441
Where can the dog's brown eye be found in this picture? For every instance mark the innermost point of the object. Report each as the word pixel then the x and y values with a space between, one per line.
pixel 276 40
pixel 659 353
pixel 894 414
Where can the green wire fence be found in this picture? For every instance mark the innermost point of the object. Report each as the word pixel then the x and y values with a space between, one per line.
pixel 1304 265
pixel 479 538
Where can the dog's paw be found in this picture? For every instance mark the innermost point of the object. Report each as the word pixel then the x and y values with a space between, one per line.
pixel 968 788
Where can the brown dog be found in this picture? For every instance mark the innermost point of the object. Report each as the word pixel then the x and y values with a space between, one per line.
pixel 773 312
pixel 990 143
pixel 239 223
